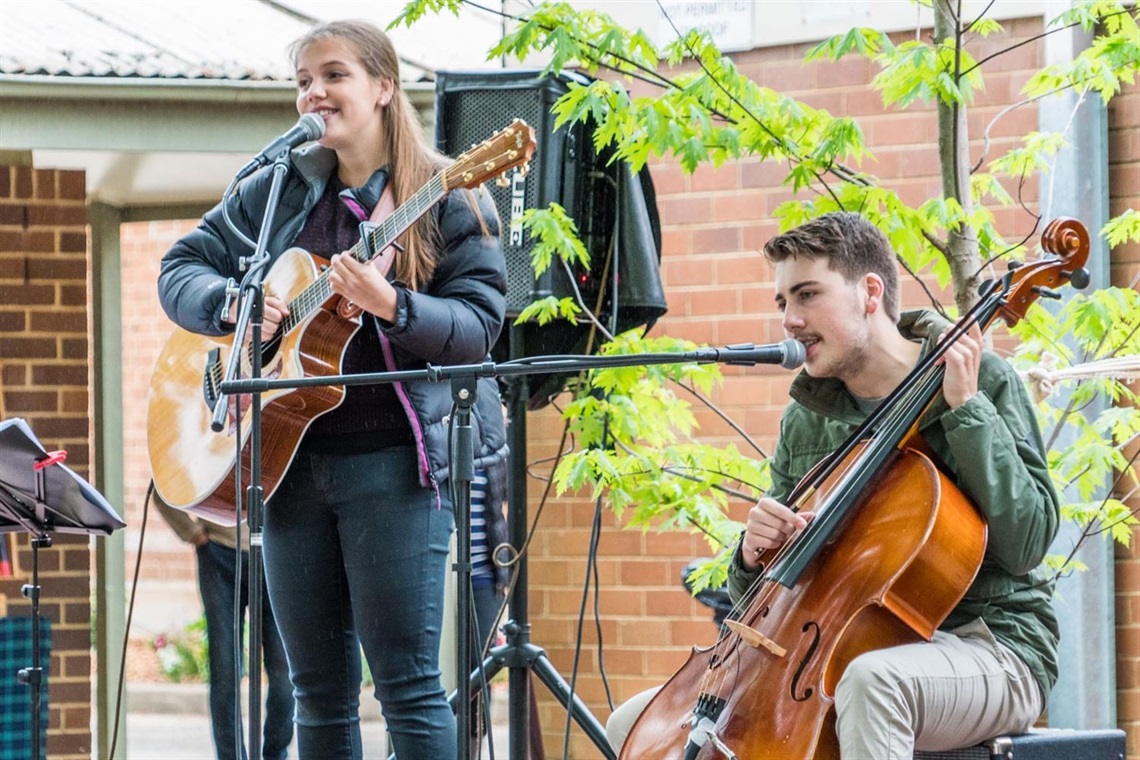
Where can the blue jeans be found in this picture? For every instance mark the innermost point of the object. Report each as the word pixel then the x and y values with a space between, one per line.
pixel 216 583
pixel 356 551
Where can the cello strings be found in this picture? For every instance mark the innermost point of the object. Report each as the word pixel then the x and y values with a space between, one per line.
pixel 898 413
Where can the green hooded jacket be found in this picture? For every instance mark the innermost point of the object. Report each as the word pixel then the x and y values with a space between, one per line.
pixel 992 448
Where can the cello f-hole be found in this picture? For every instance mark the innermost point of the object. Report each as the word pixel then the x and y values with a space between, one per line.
pixel 814 628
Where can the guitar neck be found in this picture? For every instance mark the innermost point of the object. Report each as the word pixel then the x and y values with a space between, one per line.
pixel 400 220
pixel 384 235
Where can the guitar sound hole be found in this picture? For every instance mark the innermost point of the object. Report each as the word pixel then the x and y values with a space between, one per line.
pixel 270 349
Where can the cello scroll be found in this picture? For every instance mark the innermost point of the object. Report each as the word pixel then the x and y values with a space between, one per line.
pixel 1068 240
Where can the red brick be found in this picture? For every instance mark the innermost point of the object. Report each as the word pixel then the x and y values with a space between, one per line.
pixel 692 632
pixel 74 691
pixel 22 182
pixel 643 632
pixel 27 348
pixel 720 239
pixel 61 428
pixel 72 185
pixel 59 374
pixel 53 216
pixel 762 173
pixel 707 177
pixel 23 402
pixel 5 181
pixel 73 295
pixel 74 401
pixel 13 214
pixel 73 242
pixel 55 268
pixel 676 242
pixel 685 210
pixel 79 457
pixel 13 321
pixel 648 573
pixel 11 241
pixel 743 206
pixel 787 77
pixel 668 178
pixel 73 718
pixel 73 585
pixel 59 321
pixel 73 348
pixel 44 181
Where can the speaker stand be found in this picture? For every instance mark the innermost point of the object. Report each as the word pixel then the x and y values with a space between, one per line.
pixel 519 654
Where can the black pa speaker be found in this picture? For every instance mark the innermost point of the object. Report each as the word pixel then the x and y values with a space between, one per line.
pixel 614 210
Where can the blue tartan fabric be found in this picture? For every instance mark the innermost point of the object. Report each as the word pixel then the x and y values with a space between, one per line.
pixel 15 697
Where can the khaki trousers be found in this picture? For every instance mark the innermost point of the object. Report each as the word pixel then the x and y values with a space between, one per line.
pixel 958 690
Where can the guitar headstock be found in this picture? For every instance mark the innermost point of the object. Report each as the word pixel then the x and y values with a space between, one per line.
pixel 509 147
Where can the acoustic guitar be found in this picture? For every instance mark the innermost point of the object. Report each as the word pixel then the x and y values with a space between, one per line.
pixel 192 465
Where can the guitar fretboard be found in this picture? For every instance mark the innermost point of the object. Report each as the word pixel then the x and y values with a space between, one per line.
pixel 319 291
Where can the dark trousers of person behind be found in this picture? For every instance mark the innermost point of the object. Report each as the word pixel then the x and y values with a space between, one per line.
pixel 216 570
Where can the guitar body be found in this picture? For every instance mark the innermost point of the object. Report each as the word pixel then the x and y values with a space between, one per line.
pixel 193 466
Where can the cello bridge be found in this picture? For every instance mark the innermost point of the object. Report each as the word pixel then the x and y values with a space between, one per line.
pixel 754 638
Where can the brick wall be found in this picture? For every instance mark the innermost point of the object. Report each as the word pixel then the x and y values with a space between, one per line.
pixel 145 330
pixel 44 378
pixel 1124 193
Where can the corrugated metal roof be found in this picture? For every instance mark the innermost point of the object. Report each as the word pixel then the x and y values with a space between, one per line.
pixel 186 39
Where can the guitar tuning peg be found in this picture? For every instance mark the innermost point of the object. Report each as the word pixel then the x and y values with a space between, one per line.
pixel 502 180
pixel 524 169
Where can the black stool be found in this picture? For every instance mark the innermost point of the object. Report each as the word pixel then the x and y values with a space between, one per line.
pixel 1042 744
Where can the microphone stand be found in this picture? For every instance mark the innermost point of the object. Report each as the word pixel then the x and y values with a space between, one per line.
pixel 463 382
pixel 250 315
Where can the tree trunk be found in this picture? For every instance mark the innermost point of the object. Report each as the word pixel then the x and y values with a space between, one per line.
pixel 954 156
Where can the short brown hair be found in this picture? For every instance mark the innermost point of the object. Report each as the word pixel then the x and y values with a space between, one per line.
pixel 850 244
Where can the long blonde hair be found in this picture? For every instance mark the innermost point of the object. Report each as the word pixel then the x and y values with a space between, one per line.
pixel 411 159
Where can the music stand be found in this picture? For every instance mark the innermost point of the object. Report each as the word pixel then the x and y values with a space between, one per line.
pixel 38 495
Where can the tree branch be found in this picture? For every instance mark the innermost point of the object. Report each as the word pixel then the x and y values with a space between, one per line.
pixel 1034 38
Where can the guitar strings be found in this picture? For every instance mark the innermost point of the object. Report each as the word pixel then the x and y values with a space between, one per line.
pixel 319 291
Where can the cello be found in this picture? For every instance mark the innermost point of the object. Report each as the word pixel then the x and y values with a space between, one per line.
pixel 893 547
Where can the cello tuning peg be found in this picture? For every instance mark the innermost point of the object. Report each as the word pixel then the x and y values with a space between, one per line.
pixel 1012 265
pixel 1079 278
pixel 1047 293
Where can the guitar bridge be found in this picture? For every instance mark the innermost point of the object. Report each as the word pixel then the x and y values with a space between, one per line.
pixel 212 378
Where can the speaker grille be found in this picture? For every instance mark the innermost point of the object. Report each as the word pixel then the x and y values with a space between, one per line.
pixel 470 107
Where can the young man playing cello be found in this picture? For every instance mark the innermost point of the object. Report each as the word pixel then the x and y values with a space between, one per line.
pixel 989 667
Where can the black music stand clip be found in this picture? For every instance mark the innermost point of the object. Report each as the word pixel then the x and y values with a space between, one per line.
pixel 39 494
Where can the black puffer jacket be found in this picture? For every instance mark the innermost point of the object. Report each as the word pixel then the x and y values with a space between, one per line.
pixel 454 319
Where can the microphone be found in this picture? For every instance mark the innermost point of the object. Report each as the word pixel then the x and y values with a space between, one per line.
pixel 789 354
pixel 308 128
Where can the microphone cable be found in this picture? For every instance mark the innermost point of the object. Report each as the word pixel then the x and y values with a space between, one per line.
pixel 119 689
